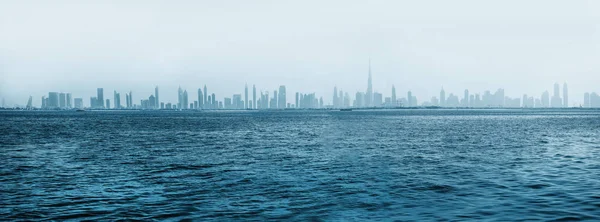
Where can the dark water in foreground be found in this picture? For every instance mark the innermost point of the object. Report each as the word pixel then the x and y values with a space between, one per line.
pixel 301 165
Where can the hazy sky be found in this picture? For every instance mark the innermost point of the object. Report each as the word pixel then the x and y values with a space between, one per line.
pixel 523 46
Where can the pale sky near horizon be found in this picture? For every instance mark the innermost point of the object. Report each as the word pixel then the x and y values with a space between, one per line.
pixel 523 46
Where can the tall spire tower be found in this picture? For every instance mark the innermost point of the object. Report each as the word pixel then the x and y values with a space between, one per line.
pixel 369 95
pixel 179 98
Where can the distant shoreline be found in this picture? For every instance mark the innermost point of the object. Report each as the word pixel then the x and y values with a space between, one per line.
pixel 294 109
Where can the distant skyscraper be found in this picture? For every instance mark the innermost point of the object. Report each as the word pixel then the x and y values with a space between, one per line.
pixel 129 100
pixel 208 105
pixel 246 96
pixel 227 103
pixel 44 102
pixel 237 102
pixel 206 97
pixel 594 100
pixel 78 103
pixel 335 97
pixel 29 103
pixel 472 102
pixel 545 99
pixel 282 97
pixel 297 100
pixel 214 103
pixel 346 100
pixel 565 95
pixel 320 102
pixel 69 101
pixel 254 96
pixel 62 100
pixel 359 101
pixel 409 98
pixel 100 98
pixel 107 104
pixel 369 94
pixel 52 100
pixel 478 102
pixel 200 99
pixel 586 100
pixel 377 100
pixel 264 100
pixel 156 99
pixel 530 101
pixel 116 100
pixel 180 98
pixel 452 101
pixel 487 99
pixel 341 99
pixel 466 98
pixel 274 103
pixel 185 102
pixel 151 102
pixel 499 98
pixel 556 100
pixel 442 97
pixel 394 100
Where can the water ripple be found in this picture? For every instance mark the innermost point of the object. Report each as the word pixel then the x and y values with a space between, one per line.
pixel 301 165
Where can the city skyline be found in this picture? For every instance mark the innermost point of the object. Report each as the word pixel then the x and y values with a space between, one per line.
pixel 363 99
pixel 572 99
pixel 370 98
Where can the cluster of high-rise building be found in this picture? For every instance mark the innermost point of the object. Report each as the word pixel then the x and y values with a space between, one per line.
pixel 591 100
pixel 56 100
pixel 371 99
pixel 277 101
pixel 341 99
pixel 486 99
pixel 97 102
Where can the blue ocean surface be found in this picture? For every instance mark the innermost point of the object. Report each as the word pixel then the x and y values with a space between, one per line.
pixel 288 165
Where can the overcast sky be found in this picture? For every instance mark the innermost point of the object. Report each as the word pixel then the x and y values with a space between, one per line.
pixel 523 46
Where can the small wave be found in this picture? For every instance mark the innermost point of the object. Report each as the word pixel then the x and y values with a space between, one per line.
pixel 537 186
pixel 439 188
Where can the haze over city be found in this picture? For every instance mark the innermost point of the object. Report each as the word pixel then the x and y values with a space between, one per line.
pixel 308 46
pixel 299 110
